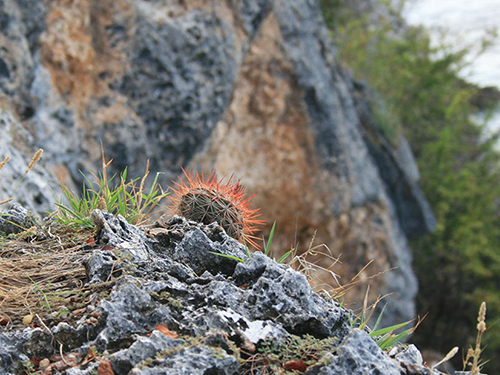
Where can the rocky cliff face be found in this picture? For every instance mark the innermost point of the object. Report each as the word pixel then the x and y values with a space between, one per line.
pixel 243 87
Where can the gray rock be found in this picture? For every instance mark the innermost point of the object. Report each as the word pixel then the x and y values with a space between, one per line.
pixel 11 352
pixel 33 190
pixel 202 254
pixel 358 354
pixel 187 65
pixel 409 354
pixel 254 268
pixel 37 343
pixel 201 247
pixel 196 360
pixel 117 232
pixel 130 310
pixel 144 347
pixel 99 266
pixel 255 330
pixel 253 13
pixel 16 220
pixel 239 306
pixel 90 369
pixel 74 337
pixel 411 360
pixel 290 301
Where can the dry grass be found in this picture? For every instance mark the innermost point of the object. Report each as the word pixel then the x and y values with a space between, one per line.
pixel 473 358
pixel 7 158
pixel 41 270
pixel 41 275
pixel 323 279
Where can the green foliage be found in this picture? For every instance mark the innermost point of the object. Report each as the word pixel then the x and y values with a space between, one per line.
pixel 233 257
pixel 267 249
pixel 267 246
pixel 386 337
pixel 124 198
pixel 423 98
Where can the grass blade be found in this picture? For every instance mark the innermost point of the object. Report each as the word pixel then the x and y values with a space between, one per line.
pixel 267 249
pixel 228 256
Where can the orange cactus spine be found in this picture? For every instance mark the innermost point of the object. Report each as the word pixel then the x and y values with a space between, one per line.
pixel 211 200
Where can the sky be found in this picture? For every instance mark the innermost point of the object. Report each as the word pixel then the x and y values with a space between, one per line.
pixel 465 23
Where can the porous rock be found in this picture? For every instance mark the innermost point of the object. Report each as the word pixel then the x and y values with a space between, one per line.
pixel 11 352
pixel 15 220
pixel 115 231
pixel 358 354
pixel 196 360
pixel 164 317
pixel 202 247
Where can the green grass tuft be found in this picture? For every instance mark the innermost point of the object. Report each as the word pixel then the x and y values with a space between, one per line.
pixel 127 198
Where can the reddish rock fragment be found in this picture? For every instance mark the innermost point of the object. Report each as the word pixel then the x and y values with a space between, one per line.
pixel 295 365
pixel 105 368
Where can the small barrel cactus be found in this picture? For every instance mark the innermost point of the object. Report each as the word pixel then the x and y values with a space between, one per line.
pixel 211 200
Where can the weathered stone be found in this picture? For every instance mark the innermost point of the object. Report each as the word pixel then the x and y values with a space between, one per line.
pixel 186 64
pixel 99 266
pixel 411 360
pixel 88 369
pixel 116 232
pixel 197 360
pixel 162 317
pixel 358 354
pixel 33 190
pixel 145 347
pixel 130 310
pixel 11 352
pixel 201 247
pixel 74 337
pixel 17 219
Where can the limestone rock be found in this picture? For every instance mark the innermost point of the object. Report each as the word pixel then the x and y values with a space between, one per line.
pixel 16 220
pixel 358 355
pixel 160 317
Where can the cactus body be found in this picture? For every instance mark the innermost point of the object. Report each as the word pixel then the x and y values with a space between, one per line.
pixel 211 200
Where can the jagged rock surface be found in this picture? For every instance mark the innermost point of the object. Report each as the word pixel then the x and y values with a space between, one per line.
pixel 248 87
pixel 162 317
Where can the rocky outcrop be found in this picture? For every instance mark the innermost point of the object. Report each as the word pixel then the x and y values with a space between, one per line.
pixel 176 300
pixel 244 87
pixel 396 165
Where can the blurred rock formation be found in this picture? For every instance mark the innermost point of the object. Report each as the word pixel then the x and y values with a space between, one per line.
pixel 244 87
